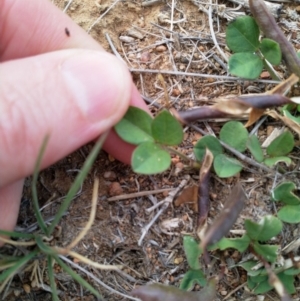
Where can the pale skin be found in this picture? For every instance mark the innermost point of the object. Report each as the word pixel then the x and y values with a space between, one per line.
pixel 52 83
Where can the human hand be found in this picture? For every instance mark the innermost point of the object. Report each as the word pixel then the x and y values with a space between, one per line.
pixel 51 83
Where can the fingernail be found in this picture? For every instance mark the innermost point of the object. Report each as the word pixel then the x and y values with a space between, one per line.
pixel 98 83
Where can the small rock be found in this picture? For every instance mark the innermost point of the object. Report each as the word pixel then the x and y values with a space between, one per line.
pixel 115 189
pixel 161 48
pixel 136 34
pixel 265 74
pixel 175 92
pixel 126 39
pixel 26 288
pixel 145 57
pixel 110 175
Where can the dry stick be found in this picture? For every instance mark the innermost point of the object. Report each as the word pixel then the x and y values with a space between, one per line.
pixel 90 28
pixel 166 204
pixel 87 261
pixel 113 48
pixel 95 278
pixel 137 194
pixel 67 6
pixel 179 73
pixel 211 27
pixel 90 222
pixel 151 2
pixel 18 243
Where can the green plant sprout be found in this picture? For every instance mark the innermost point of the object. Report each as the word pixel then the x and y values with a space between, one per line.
pixel 38 244
pixel 254 240
pixel 154 136
pixel 257 234
pixel 250 54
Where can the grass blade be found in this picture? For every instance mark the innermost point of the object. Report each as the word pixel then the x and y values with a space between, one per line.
pixel 22 261
pixel 16 234
pixel 36 206
pixel 51 279
pixel 77 277
pixel 78 181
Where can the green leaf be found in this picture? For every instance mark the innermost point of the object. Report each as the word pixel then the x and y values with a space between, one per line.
pixel 284 193
pixel 210 142
pixel 290 116
pixel 261 287
pixel 254 147
pixel 135 126
pixel 241 243
pixel 275 160
pixel 166 129
pixel 246 65
pixel 149 158
pixel 235 135
pixel 191 278
pixel 248 265
pixel 268 227
pixel 292 271
pixel 226 167
pixel 271 51
pixel 192 252
pixel 290 214
pixel 242 35
pixel 268 252
pixel 288 282
pixel 282 145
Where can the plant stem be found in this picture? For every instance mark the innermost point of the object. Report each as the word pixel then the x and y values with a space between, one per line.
pixel 271 70
pixel 192 163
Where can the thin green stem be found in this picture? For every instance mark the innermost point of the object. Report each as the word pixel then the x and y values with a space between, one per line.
pixel 16 234
pixel 51 279
pixel 36 206
pixel 192 163
pixel 271 70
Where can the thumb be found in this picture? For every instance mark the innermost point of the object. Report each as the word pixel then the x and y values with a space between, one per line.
pixel 72 95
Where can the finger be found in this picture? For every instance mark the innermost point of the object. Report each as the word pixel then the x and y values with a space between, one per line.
pixel 73 95
pixel 114 145
pixel 33 27
pixel 10 197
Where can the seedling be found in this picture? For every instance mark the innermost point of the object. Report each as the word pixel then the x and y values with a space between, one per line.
pixel 39 243
pixel 250 54
pixel 290 212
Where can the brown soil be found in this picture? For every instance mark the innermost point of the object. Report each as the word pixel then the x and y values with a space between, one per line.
pixel 118 226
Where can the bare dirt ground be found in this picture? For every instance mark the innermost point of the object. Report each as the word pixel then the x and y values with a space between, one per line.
pixel 183 45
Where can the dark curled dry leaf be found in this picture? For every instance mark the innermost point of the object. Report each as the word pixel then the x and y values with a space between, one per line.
pixel 223 223
pixel 203 113
pixel 203 190
pixel 261 101
pixel 268 25
pixel 159 292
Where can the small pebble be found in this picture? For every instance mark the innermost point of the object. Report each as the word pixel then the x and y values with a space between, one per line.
pixel 265 74
pixel 110 175
pixel 115 189
pixel 145 57
pixel 161 48
pixel 26 288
